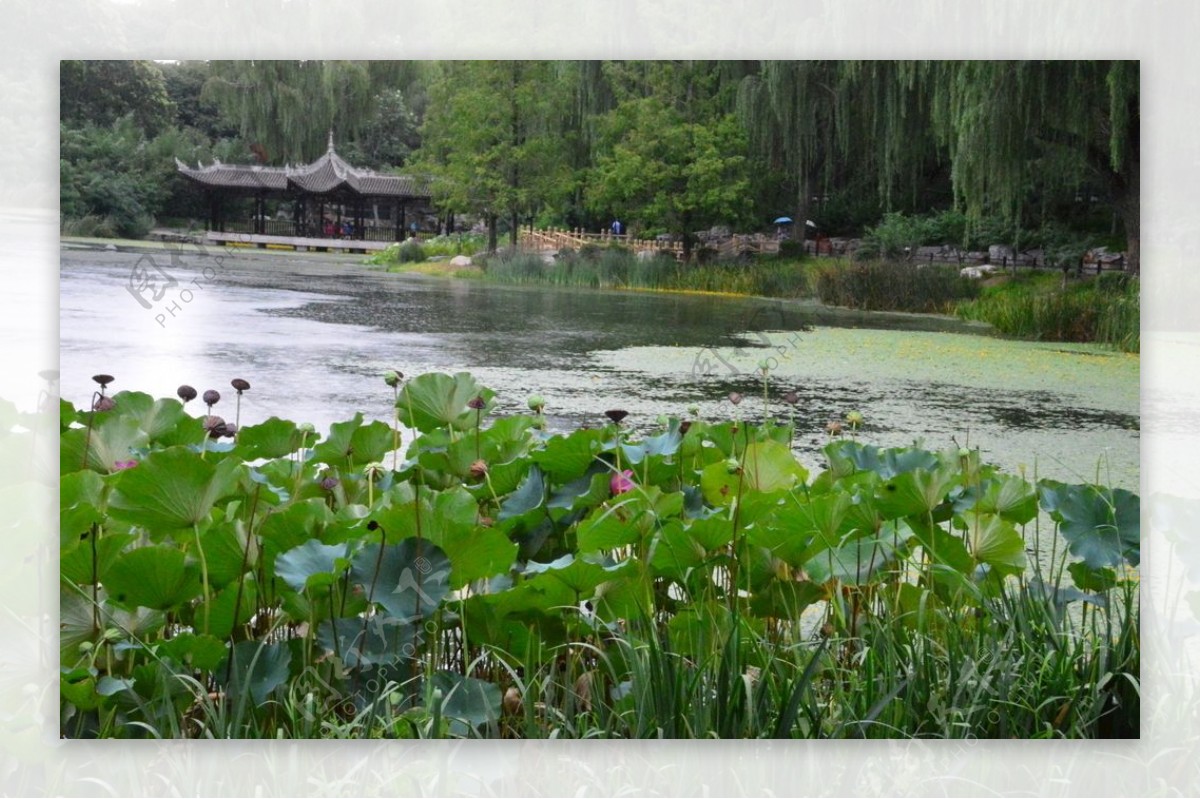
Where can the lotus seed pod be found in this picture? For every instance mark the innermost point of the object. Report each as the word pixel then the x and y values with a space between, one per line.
pixel 393 377
pixel 186 393
pixel 215 426
pixel 834 428
pixel 307 428
pixel 694 409
pixel 854 418
pixel 535 403
pixel 661 420
pixel 616 415
pixel 684 426
pixel 239 384
pixel 103 380
pixel 211 397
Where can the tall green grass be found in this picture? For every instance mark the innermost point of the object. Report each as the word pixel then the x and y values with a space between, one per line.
pixel 618 268
pixel 1105 311
pixel 891 286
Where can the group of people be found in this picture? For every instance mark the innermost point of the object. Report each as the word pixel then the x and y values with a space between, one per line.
pixel 332 229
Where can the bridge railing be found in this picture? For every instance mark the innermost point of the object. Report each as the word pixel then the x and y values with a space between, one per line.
pixel 535 240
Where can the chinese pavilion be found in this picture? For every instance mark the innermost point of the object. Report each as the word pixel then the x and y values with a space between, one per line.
pixel 330 199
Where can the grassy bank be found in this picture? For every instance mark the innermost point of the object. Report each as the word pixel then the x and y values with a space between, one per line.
pixel 1103 310
pixel 617 268
pixel 488 579
pixel 892 286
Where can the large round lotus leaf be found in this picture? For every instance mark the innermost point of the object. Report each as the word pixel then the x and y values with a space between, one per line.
pixel 365 643
pixel 766 466
pixel 157 577
pixel 82 499
pixel 311 565
pixel 352 443
pixel 164 421
pixel 78 616
pixel 171 488
pixel 467 702
pixel 408 580
pixel 273 438
pixel 995 542
pixel 435 400
pixel 112 439
pixel 220 611
pixel 566 458
pixel 258 669
pixel 1101 525
pixel 83 565
pixel 450 520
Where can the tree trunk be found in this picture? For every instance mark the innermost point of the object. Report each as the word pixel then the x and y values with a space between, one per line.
pixel 492 234
pixel 1129 206
pixel 800 220
pixel 512 230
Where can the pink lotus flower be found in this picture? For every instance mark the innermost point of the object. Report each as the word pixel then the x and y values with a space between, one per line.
pixel 121 466
pixel 622 482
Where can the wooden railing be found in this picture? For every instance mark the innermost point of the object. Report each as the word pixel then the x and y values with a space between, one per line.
pixel 560 238
pixel 535 240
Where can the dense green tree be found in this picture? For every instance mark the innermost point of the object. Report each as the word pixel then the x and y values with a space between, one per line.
pixel 184 82
pixel 389 137
pixel 101 92
pixel 664 171
pixel 490 139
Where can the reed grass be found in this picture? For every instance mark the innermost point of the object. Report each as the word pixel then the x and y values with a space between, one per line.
pixel 618 268
pixel 893 286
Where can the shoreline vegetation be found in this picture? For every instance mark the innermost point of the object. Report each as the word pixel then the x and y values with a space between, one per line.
pixel 1032 305
pixel 461 574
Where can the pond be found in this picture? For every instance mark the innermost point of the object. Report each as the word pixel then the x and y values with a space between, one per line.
pixel 313 335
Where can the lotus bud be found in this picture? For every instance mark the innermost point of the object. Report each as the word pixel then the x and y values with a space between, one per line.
pixel 476 403
pixel 735 398
pixel 732 466
pixel 307 428
pixel 661 420
pixel 764 366
pixel 479 469
pixel 103 380
pixel 854 419
pixel 186 393
pixel 211 397
pixel 694 409
pixel 616 415
pixel 329 483
pixel 535 403
pixel 834 428
pixel 239 385
pixel 393 377
pixel 791 398
pixel 684 426
pixel 104 404
pixel 231 429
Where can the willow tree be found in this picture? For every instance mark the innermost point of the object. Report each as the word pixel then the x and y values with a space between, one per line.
pixel 1012 127
pixel 287 109
pixel 790 112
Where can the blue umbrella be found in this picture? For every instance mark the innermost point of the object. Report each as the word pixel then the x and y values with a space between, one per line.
pixel 783 220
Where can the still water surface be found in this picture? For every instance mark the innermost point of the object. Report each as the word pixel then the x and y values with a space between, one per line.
pixel 314 335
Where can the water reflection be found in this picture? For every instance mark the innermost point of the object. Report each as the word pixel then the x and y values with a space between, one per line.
pixel 314 337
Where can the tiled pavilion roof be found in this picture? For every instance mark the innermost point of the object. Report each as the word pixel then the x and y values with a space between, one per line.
pixel 329 173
